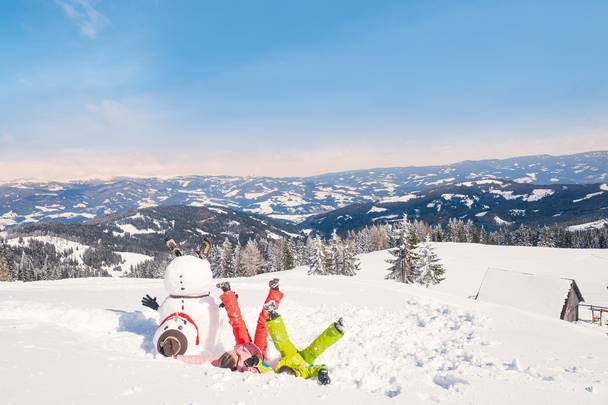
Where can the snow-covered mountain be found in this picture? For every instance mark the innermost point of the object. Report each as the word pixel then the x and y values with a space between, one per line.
pixel 492 203
pixel 293 198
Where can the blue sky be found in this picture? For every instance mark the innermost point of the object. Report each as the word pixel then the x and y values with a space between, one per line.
pixel 103 88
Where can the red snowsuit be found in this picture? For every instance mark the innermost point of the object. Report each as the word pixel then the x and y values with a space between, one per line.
pixel 239 329
pixel 243 347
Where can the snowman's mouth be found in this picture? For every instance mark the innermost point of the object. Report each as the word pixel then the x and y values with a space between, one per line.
pixel 189 296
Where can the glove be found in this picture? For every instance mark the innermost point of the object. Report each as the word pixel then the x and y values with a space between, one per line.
pixel 149 302
pixel 323 377
pixel 252 361
pixel 224 286
pixel 274 284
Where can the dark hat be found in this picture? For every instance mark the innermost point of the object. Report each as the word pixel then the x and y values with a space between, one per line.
pixel 171 343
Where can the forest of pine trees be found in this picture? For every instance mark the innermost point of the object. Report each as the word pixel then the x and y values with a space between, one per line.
pixel 413 259
pixel 36 260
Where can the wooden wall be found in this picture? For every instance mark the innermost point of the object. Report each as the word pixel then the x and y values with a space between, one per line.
pixel 570 312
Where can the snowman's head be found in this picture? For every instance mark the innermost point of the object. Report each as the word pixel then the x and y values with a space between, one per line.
pixel 188 276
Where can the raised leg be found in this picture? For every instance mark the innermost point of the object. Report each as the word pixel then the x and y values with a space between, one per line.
pixel 329 336
pixel 261 333
pixel 239 329
pixel 278 334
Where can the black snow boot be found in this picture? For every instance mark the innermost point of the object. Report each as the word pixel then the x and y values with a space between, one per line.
pixel 339 324
pixel 271 308
pixel 323 377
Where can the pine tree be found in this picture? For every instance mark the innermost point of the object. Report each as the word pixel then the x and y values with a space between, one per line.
pixel 438 233
pixel 215 261
pixel 363 240
pixel 275 255
pixel 472 235
pixel 5 271
pixel 484 237
pixel 288 255
pixel 334 263
pixel 26 268
pixel 236 260
pixel 546 238
pixel 317 258
pixel 405 257
pixel 252 261
pixel 350 261
pixel 265 248
pixel 300 252
pixel 456 230
pixel 428 269
pixel 523 236
pixel 226 258
pixel 379 238
pixel 422 229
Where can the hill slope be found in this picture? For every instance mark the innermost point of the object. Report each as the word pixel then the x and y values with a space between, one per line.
pixel 403 343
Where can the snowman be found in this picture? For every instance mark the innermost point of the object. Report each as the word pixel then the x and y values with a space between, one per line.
pixel 189 316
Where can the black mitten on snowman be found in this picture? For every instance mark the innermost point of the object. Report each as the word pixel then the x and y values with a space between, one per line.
pixel 149 302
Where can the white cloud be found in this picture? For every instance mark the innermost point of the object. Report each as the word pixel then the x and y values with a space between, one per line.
pixel 82 13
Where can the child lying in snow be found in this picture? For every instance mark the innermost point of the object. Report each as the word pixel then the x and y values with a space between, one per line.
pixel 246 355
pixel 300 363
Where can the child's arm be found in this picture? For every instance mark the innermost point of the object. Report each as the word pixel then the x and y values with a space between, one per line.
pixel 255 364
pixel 202 358
pixel 312 371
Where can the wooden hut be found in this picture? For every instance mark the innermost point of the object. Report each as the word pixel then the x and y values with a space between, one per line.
pixel 551 296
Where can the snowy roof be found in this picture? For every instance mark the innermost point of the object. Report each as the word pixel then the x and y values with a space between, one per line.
pixel 530 292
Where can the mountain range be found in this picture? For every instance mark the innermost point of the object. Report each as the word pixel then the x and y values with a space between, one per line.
pixel 491 203
pixel 295 198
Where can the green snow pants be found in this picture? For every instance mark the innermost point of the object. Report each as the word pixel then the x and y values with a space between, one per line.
pixel 301 362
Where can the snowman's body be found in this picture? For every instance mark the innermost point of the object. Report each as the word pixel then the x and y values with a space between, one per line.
pixel 189 316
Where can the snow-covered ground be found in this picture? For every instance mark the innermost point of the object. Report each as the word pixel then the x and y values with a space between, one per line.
pixel 89 341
